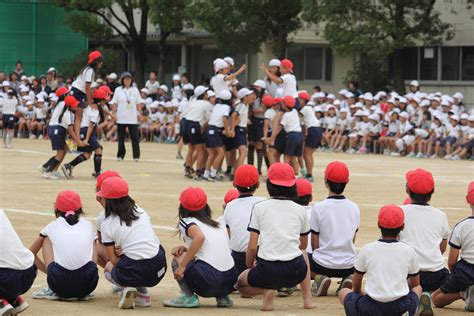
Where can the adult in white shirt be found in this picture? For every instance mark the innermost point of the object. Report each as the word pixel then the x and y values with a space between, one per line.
pixel 287 79
pixel 126 107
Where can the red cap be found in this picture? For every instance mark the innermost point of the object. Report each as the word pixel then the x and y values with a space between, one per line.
pixel 277 100
pixel 420 181
pixel 71 102
pixel 407 201
pixel 99 94
pixel 68 201
pixel 268 100
pixel 304 187
pixel 246 176
pixel 106 89
pixel 113 188
pixel 61 90
pixel 288 64
pixel 304 95
pixel 470 193
pixel 105 175
pixel 281 174
pixel 391 216
pixel 289 101
pixel 231 195
pixel 337 172
pixel 193 199
pixel 94 55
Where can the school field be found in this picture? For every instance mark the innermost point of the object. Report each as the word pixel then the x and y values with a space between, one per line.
pixel 156 182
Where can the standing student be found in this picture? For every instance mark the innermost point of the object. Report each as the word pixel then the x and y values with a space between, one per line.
pixel 240 121
pixel 271 86
pixel 181 120
pixel 334 253
pixel 287 80
pixel 81 87
pixel 69 254
pixel 92 116
pixel 223 78
pixel 460 283
pixel 387 263
pixel 143 260
pixel 127 105
pixel 237 213
pixel 272 114
pixel 279 231
pixel 9 105
pixel 204 266
pixel 427 231
pixel 17 269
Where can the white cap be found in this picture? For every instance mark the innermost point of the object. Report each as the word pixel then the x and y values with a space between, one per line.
pixel 6 83
pixel 23 78
pixel 382 93
pixel 164 88
pixel 464 116
pixel 260 83
pixel 243 93
pixel 113 76
pixel 51 69
pixel 331 96
pixel 374 117
pixel 274 63
pixel 416 99
pixel 458 95
pixel 229 60
pixel 444 102
pixel 471 118
pixel 199 90
pixel 359 113
pixel 344 110
pixel 211 93
pixel 349 94
pixel 414 83
pixel 175 102
pixel 168 104
pixel 94 85
pixel 454 117
pixel 336 102
pixel 176 77
pixel 379 111
pixel 99 80
pixel 438 94
pixel 373 108
pixel 368 97
pixel 52 94
pixel 25 89
pixel 39 97
pixel 214 62
pixel 405 115
pixel 402 99
pixel 220 64
pixel 396 110
pixel 224 95
pixel 318 109
pixel 26 97
pixel 54 98
pixel 343 91
pixel 391 100
pixel 29 102
pixel 366 112
pixel 154 105
pixel 144 90
pixel 425 103
pixel 359 105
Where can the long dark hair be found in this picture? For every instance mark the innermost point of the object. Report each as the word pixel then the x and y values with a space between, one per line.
pixel 289 193
pixel 204 215
pixel 125 208
pixel 228 102
pixel 101 110
pixel 70 219
pixel 93 65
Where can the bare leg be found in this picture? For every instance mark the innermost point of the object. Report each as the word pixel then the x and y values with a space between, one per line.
pixel 441 299
pixel 306 286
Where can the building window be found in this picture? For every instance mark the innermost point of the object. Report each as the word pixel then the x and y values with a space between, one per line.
pixel 467 65
pixel 450 63
pixel 311 62
pixel 428 63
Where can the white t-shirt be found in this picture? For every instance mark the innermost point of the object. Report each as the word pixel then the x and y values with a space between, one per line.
pixel 198 110
pixel 219 84
pixel 462 237
pixel 452 131
pixel 9 105
pixel 243 111
pixel 394 127
pixel 14 255
pixel 425 229
pixel 157 116
pixel 280 223
pixel 271 87
pixel 138 241
pixel 152 87
pixel 289 85
pixel 290 121
pixel 237 217
pixel 127 100
pixel 66 120
pixel 73 245
pixel 387 264
pixel 336 221
pixel 176 92
pixel 90 115
pixel 219 113
pixel 86 76
pixel 183 108
pixel 309 209
pixel 40 112
pixel 343 124
pixel 269 115
pixel 309 118
pixel 330 122
pixel 215 250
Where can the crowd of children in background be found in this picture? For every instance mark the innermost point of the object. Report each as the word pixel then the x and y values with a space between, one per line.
pixel 260 246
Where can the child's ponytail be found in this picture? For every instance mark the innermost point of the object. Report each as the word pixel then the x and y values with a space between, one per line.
pixel 71 217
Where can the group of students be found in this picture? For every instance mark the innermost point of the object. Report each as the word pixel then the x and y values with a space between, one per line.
pixel 259 246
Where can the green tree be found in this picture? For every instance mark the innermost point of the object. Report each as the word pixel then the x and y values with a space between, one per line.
pixel 243 25
pixel 378 29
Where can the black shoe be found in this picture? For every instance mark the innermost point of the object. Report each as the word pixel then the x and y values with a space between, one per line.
pixel 198 178
pixel 67 170
pixel 96 174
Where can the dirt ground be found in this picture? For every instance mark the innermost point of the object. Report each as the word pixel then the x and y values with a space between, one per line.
pixel 156 182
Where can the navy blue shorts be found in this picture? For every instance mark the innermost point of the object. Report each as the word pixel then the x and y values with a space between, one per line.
pixel 294 144
pixel 460 278
pixel 356 304
pixel 257 129
pixel 139 273
pixel 213 137
pixel 239 261
pixel 431 281
pixel 93 141
pixel 277 274
pixel 240 138
pixel 182 131
pixel 229 143
pixel 280 142
pixel 450 139
pixel 332 273
pixel 346 132
pixel 8 121
pixel 469 145
pixel 73 283
pixel 313 138
pixel 193 130
pixel 57 136
pixel 206 281
pixel 80 96
pixel 16 282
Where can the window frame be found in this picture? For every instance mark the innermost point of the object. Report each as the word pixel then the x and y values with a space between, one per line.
pixel 323 63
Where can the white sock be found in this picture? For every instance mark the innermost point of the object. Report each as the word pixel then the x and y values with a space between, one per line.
pixel 213 172
pixel 206 173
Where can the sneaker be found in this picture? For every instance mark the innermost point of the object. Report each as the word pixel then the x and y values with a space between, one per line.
pixel 395 154
pixel 41 169
pixel 136 159
pixel 179 156
pixel 284 292
pixel 127 298
pixel 309 178
pixel 5 307
pixel 40 137
pixel 217 177
pixel 183 301
pixel 447 157
pixel 362 150
pixel 346 283
pixel 143 300
pixel 45 293
pixel 320 285
pixel 51 175
pixel 420 155
pixel 96 174
pixel 67 170
pixel 199 178
pixel 32 136
pixel 434 156
pixel 119 159
pixel 224 302
pixel 411 155
pixel 19 305
pixel 456 157
pixel 188 174
pixel 303 171
pixel 424 307
pixel 209 178
pixel 469 295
